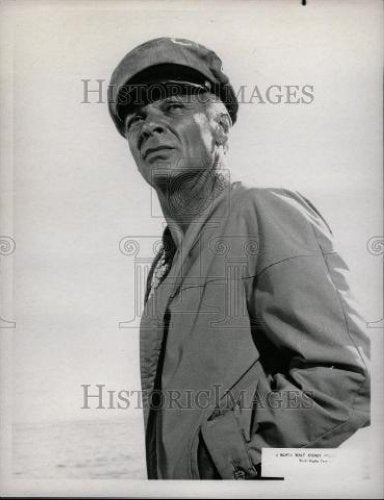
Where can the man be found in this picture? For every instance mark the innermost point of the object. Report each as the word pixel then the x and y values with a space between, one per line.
pixel 248 339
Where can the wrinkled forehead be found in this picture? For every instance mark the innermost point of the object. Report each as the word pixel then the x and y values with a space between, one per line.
pixel 137 95
pixel 159 97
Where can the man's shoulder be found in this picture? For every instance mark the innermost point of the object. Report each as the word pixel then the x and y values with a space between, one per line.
pixel 256 194
pixel 271 197
pixel 273 203
pixel 280 217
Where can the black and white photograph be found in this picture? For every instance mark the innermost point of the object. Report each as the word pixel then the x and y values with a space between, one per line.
pixel 191 248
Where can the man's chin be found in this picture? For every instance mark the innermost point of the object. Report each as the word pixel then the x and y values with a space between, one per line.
pixel 166 175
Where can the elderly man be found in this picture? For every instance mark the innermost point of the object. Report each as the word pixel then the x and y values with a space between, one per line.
pixel 248 338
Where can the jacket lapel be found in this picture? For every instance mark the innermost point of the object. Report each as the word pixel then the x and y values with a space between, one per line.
pixel 153 323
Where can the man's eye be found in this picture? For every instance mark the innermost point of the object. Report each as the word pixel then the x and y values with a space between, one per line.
pixel 174 105
pixel 134 120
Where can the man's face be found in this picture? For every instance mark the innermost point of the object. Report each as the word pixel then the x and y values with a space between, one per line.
pixel 172 136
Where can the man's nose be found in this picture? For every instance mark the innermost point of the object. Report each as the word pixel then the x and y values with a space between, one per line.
pixel 151 126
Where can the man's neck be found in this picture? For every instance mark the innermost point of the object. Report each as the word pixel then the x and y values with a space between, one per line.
pixel 187 198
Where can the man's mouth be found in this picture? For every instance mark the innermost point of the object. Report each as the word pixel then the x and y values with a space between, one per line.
pixel 156 149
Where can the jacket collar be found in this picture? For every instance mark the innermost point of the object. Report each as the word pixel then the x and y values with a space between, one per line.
pixel 181 263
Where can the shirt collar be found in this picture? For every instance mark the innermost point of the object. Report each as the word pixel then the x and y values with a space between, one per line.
pixel 169 246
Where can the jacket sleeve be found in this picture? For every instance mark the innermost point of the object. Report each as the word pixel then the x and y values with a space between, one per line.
pixel 314 389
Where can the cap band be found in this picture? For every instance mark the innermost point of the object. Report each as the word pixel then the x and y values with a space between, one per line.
pixel 135 96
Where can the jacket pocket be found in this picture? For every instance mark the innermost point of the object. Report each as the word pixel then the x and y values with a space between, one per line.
pixel 226 429
pixel 226 445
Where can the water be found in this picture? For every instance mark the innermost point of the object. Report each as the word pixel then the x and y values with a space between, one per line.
pixel 97 449
pixel 78 449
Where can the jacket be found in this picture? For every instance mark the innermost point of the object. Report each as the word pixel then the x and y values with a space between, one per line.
pixel 252 340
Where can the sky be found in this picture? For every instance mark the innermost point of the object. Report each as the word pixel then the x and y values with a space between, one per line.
pixel 71 191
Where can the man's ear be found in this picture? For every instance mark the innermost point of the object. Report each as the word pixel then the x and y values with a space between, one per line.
pixel 222 130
